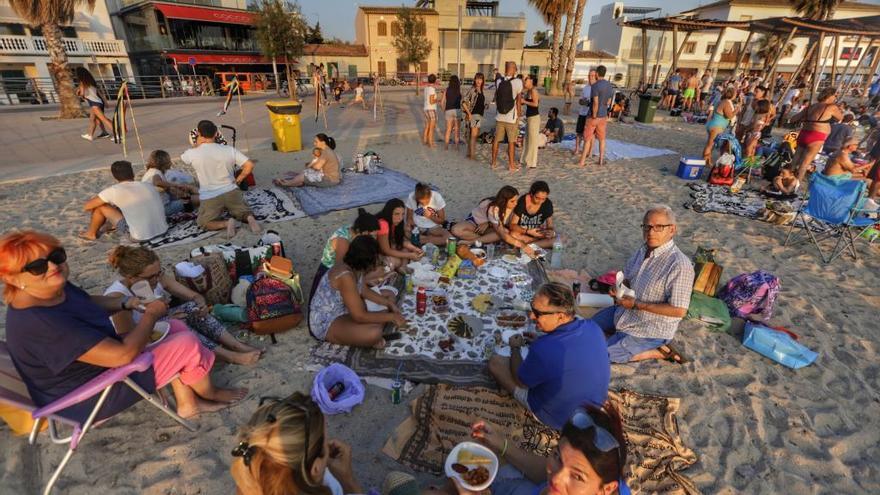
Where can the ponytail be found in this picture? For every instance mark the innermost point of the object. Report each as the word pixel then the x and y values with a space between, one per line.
pixel 331 143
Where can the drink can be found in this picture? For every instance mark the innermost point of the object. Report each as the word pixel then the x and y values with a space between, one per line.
pixel 335 390
pixel 576 288
pixel 451 246
pixel 396 387
pixel 408 283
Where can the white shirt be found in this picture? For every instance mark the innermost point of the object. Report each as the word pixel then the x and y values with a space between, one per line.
pixel 510 117
pixel 91 94
pixel 436 204
pixel 429 92
pixel 214 165
pixel 790 96
pixel 141 206
pixel 585 93
pixel 148 179
pixel 118 287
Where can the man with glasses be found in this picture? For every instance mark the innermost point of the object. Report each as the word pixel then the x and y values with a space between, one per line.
pixel 564 368
pixel 662 277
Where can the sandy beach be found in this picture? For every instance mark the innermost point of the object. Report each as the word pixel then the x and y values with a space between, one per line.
pixel 756 426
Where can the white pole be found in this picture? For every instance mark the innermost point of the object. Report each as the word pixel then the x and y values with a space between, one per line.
pixel 458 62
pixel 275 72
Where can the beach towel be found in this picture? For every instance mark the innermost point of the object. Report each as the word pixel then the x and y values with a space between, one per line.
pixel 442 416
pixel 268 206
pixel 616 150
pixel 706 198
pixel 355 190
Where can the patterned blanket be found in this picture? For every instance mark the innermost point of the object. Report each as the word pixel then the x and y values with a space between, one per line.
pixel 355 190
pixel 708 198
pixel 268 205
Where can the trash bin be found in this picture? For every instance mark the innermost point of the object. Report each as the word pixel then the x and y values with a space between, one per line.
pixel 284 117
pixel 647 108
pixel 548 81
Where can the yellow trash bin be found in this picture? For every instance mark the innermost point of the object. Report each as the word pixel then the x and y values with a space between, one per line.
pixel 284 116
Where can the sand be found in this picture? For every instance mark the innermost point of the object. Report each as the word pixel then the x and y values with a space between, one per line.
pixel 757 427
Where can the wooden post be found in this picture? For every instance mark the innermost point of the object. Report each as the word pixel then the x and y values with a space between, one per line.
pixel 711 64
pixel 644 56
pixel 681 49
pixel 772 72
pixel 834 60
pixel 849 62
pixel 791 80
pixel 849 83
pixel 743 52
pixel 674 50
pixel 814 85
pixel 656 70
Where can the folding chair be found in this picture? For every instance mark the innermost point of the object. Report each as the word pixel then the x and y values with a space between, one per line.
pixel 12 389
pixel 831 209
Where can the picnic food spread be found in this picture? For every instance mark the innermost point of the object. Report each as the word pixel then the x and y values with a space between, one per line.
pixel 460 328
pixel 482 302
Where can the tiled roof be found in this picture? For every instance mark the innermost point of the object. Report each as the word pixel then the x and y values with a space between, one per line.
pixel 334 50
pixel 393 10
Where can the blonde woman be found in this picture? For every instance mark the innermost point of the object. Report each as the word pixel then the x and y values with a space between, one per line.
pixel 284 449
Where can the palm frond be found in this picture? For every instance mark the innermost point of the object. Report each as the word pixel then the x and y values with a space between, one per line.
pixel 38 12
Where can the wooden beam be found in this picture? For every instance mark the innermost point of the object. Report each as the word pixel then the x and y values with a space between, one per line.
pixel 715 51
pixel 816 75
pixel 645 56
pixel 852 54
pixel 834 60
pixel 772 71
pixel 794 75
pixel 858 64
pixel 656 71
pixel 680 51
pixel 675 50
pixel 743 52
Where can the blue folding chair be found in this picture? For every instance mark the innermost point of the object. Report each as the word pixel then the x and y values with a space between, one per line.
pixel 831 210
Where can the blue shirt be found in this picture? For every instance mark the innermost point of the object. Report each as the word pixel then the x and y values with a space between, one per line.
pixel 565 369
pixel 604 91
pixel 45 343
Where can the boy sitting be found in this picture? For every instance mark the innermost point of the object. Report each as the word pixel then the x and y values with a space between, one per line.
pixel 129 207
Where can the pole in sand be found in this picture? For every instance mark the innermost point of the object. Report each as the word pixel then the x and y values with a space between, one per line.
pixel 243 126
pixel 134 124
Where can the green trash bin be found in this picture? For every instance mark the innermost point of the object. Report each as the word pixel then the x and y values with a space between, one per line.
pixel 647 107
pixel 547 82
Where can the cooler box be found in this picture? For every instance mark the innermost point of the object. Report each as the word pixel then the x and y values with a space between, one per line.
pixel 690 168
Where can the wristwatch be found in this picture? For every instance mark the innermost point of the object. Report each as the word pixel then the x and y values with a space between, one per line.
pixel 125 300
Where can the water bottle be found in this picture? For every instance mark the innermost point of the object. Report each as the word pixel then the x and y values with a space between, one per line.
pixel 414 237
pixel 556 257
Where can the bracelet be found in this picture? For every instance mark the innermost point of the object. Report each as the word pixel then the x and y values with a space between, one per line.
pixel 125 300
pixel 504 450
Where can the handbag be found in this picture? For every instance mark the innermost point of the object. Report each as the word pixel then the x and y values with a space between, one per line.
pixel 777 345
pixel 240 260
pixel 214 284
pixel 707 273
pixel 710 311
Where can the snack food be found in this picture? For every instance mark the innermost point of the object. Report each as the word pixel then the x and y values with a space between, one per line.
pixel 460 468
pixel 439 300
pixel 482 302
pixel 510 258
pixel 155 335
pixel 459 327
pixel 511 320
pixel 476 476
pixel 467 457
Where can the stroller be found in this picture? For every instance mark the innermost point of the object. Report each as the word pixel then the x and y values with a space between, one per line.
pixel 775 161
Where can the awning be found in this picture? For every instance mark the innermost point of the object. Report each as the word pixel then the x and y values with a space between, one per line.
pixel 205 14
pixel 218 58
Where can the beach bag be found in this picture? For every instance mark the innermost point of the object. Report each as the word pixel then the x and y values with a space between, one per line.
pixel 214 284
pixel 722 175
pixel 352 389
pixel 271 307
pixel 777 345
pixel 240 261
pixel 710 311
pixel 751 295
pixel 504 101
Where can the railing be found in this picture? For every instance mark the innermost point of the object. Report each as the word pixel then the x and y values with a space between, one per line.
pixel 36 45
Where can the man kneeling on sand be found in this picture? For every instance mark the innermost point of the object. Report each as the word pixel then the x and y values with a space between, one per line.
pixel 662 277
pixel 128 207
pixel 218 184
pixel 565 368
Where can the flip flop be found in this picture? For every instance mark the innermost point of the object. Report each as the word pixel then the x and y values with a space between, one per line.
pixel 671 354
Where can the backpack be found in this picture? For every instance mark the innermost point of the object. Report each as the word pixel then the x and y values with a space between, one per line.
pixel 751 295
pixel 504 101
pixel 271 306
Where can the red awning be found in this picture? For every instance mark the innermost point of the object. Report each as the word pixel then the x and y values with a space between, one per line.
pixel 205 14
pixel 211 58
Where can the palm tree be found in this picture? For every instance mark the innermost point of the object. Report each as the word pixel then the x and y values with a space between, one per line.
pixel 566 41
pixel 767 48
pixel 820 10
pixel 572 46
pixel 50 15
pixel 552 12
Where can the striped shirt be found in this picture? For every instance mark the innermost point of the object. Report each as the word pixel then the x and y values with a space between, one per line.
pixel 666 276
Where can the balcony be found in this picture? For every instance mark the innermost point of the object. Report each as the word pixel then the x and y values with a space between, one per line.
pixel 75 47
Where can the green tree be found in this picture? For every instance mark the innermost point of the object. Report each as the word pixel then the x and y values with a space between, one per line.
pixel 315 36
pixel 281 33
pixel 49 16
pixel 552 12
pixel 413 47
pixel 819 10
pixel 539 37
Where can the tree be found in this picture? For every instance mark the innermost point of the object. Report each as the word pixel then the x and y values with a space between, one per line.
pixel 540 37
pixel 552 12
pixel 413 47
pixel 819 10
pixel 767 48
pixel 49 16
pixel 281 32
pixel 572 46
pixel 315 37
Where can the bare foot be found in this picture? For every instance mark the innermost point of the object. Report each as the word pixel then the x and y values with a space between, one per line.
pixel 227 395
pixel 200 407
pixel 86 236
pixel 230 228
pixel 380 345
pixel 513 169
pixel 252 223
pixel 492 165
pixel 245 358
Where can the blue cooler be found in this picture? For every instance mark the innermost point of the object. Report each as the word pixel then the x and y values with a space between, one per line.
pixel 690 168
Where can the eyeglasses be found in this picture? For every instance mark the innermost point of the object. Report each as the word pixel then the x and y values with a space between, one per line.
pixel 602 439
pixel 655 228
pixel 154 277
pixel 40 266
pixel 539 314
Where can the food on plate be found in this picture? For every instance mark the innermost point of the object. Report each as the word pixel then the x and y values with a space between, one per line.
pixel 476 476
pixel 468 457
pixel 447 345
pixel 520 279
pixel 482 302
pixel 459 327
pixel 439 300
pixel 510 258
pixel 459 468
pixel 155 335
pixel 511 319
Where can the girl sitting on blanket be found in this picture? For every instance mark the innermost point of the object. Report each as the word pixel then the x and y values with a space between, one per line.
pixel 393 244
pixel 337 245
pixel 490 221
pixel 338 312
pixel 174 196
pixel 139 263
pixel 285 449
pixel 326 161
pixel 589 458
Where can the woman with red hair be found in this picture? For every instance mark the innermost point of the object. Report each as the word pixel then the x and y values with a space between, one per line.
pixel 60 337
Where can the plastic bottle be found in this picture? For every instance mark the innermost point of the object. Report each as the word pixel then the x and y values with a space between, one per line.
pixel 421 301
pixel 415 238
pixel 556 257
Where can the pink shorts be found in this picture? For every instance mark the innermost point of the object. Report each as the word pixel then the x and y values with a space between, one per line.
pixel 180 353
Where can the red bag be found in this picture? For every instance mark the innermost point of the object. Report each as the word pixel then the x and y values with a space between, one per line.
pixel 722 175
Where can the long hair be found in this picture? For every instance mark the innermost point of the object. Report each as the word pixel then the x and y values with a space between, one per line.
pixel 329 141
pixel 277 460
pixel 397 233
pixel 482 78
pixel 85 77
pixel 19 248
pixel 608 465
pixel 500 200
pixel 159 159
pixel 453 91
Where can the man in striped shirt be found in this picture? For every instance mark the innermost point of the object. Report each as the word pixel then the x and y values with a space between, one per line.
pixel 662 277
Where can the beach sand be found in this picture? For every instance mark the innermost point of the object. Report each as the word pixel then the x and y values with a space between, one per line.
pixel 756 426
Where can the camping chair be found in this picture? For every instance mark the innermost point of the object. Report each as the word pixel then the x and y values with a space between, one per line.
pixel 831 209
pixel 14 393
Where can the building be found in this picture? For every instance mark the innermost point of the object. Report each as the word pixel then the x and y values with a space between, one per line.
pixel 375 28
pixel 88 40
pixel 606 34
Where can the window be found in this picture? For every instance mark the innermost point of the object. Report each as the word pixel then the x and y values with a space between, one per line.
pixel 402 66
pixel 395 28
pixel 848 53
pixel 382 28
pixel 480 40
pixel 382 70
pixel 710 48
pixel 10 28
pixel 66 31
pixel 690 47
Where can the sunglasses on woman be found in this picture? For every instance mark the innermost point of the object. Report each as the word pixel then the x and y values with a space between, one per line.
pixel 41 265
pixel 602 438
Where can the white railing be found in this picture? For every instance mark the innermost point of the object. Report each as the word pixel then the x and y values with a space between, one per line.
pixel 36 45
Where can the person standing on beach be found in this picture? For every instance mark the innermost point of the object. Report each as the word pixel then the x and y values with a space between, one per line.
pixel 585 102
pixel 641 327
pixel 705 88
pixel 474 106
pixel 672 85
pixel 218 184
pixel 689 94
pixel 601 94
pixel 530 98
pixel 451 103
pixel 430 110
pixel 507 105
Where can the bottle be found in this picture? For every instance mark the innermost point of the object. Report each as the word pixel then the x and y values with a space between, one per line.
pixel 451 246
pixel 334 391
pixel 421 301
pixel 556 257
pixel 414 237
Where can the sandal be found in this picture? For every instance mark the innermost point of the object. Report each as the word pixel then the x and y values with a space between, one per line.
pixel 671 354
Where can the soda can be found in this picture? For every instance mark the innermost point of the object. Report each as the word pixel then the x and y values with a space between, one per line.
pixel 396 387
pixel 451 246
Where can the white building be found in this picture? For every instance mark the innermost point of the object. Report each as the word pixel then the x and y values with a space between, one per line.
pixel 89 41
pixel 606 34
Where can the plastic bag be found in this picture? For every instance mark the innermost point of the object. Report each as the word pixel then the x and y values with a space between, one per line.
pixel 710 311
pixel 777 345
pixel 352 393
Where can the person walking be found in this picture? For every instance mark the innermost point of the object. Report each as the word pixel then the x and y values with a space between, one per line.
pixel 474 106
pixel 584 112
pixel 602 92
pixel 530 99
pixel 430 111
pixel 88 90
pixel 451 103
pixel 507 117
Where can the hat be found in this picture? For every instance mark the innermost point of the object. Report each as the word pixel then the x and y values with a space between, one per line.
pixel 397 483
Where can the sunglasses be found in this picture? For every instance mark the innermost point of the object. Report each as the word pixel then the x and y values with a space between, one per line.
pixel 602 439
pixel 539 314
pixel 306 461
pixel 40 266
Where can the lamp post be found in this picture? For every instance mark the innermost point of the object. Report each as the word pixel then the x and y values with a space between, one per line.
pixel 458 61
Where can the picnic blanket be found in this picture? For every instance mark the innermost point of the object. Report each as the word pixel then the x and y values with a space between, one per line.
pixel 442 416
pixel 706 198
pixel 616 150
pixel 355 190
pixel 268 205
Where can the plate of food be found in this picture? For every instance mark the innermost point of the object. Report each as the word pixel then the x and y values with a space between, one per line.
pixel 160 331
pixel 479 253
pixel 520 279
pixel 440 300
pixel 510 258
pixel 465 326
pixel 473 465
pixel 484 303
pixel 511 320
